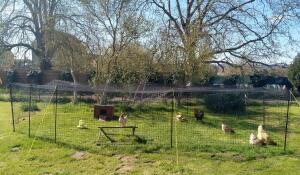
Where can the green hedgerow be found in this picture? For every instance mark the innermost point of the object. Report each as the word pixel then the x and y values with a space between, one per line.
pixel 225 103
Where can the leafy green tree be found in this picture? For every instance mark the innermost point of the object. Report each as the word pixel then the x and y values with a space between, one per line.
pixel 294 72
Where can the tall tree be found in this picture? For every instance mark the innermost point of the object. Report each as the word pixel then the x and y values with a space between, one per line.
pixel 225 32
pixel 294 72
pixel 71 56
pixel 121 23
pixel 29 25
pixel 115 24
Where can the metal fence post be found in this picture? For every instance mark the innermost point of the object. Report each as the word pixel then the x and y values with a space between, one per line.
pixel 12 109
pixel 29 112
pixel 264 110
pixel 187 104
pixel 287 121
pixel 172 120
pixel 246 94
pixel 55 115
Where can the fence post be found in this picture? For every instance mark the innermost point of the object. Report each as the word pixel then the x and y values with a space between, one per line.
pixel 12 108
pixel 172 120
pixel 246 94
pixel 187 104
pixel 264 110
pixel 55 115
pixel 29 112
pixel 287 121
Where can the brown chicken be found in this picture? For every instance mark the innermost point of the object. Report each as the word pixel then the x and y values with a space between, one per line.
pixel 226 129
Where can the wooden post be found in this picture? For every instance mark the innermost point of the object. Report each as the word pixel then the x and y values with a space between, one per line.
pixel 29 112
pixel 12 109
pixel 55 115
pixel 287 122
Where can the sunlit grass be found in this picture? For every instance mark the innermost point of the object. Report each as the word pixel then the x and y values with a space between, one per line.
pixel 44 157
pixel 153 120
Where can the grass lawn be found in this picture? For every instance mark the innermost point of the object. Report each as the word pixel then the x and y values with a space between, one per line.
pixel 202 148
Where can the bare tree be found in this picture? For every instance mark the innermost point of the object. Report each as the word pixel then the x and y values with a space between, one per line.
pixel 121 23
pixel 223 32
pixel 29 25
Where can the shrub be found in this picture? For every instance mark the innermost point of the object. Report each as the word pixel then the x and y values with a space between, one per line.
pixel 87 100
pixel 126 108
pixel 11 76
pixel 26 107
pixel 225 103
pixel 62 100
pixel 34 77
pixel 294 72
pixel 65 76
pixel 230 80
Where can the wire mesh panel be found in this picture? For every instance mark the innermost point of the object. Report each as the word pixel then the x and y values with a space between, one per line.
pixel 20 105
pixel 276 106
pixel 293 124
pixel 34 111
pixel 188 118
pixel 70 129
pixel 229 117
pixel 152 116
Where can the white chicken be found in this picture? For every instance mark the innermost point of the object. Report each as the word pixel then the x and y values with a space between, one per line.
pixel 123 119
pixel 263 136
pixel 253 140
pixel 179 117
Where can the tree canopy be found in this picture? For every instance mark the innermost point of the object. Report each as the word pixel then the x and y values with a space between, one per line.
pixel 186 38
pixel 294 72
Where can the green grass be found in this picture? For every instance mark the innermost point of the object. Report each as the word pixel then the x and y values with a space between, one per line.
pixel 202 148
pixel 153 122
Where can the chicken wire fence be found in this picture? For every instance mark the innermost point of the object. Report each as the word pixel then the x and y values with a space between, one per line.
pixel 168 117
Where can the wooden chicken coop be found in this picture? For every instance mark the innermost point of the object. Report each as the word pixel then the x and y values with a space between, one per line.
pixel 103 112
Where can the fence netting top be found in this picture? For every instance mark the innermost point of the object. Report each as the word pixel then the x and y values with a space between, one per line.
pixel 141 88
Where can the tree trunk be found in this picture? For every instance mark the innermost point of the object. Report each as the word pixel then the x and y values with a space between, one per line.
pixel 75 86
pixel 103 96
pixel 178 99
pixel 191 62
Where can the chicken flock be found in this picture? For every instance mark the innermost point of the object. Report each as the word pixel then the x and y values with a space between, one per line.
pixel 262 137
